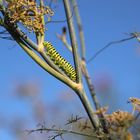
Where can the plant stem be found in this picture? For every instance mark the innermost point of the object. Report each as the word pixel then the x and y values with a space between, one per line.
pixel 40 62
pixel 73 40
pixel 83 55
pixel 64 131
pixel 80 28
pixel 93 118
pixel 80 92
pixel 91 87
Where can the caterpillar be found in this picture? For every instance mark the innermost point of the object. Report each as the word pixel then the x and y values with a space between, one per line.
pixel 58 60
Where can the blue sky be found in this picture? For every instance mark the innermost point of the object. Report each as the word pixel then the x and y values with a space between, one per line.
pixel 103 22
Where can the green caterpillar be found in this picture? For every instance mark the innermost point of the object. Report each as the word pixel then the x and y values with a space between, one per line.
pixel 66 67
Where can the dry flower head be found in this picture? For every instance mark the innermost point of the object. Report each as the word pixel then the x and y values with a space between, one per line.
pixel 102 110
pixel 135 102
pixel 119 122
pixel 28 13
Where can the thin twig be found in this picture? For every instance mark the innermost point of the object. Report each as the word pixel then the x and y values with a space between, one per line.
pixel 108 45
pixel 64 131
pixel 62 37
pixel 137 116
pixel 4 32
pixel 7 38
pixel 53 137
pixel 80 28
pixel 61 21
pixel 73 119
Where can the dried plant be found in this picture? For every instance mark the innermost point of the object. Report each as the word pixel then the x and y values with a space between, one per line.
pixel 28 13
pixel 33 15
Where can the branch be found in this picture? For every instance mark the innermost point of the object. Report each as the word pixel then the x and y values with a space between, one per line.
pixel 137 116
pixel 42 63
pixel 6 37
pixel 80 92
pixel 73 119
pixel 62 37
pixel 12 28
pixel 48 68
pixel 108 45
pixel 35 47
pixel 40 37
pixel 64 131
pixel 80 28
pixel 61 21
pixel 73 40
pixel 84 71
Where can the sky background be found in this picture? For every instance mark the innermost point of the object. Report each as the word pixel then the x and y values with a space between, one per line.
pixel 117 68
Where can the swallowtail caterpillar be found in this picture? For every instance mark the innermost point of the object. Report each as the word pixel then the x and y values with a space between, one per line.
pixel 63 64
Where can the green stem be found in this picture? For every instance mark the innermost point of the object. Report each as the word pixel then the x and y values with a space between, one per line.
pixel 93 118
pixel 82 41
pixel 40 37
pixel 34 46
pixel 73 39
pixel 91 88
pixel 80 92
pixel 80 28
pixel 40 62
pixel 46 67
